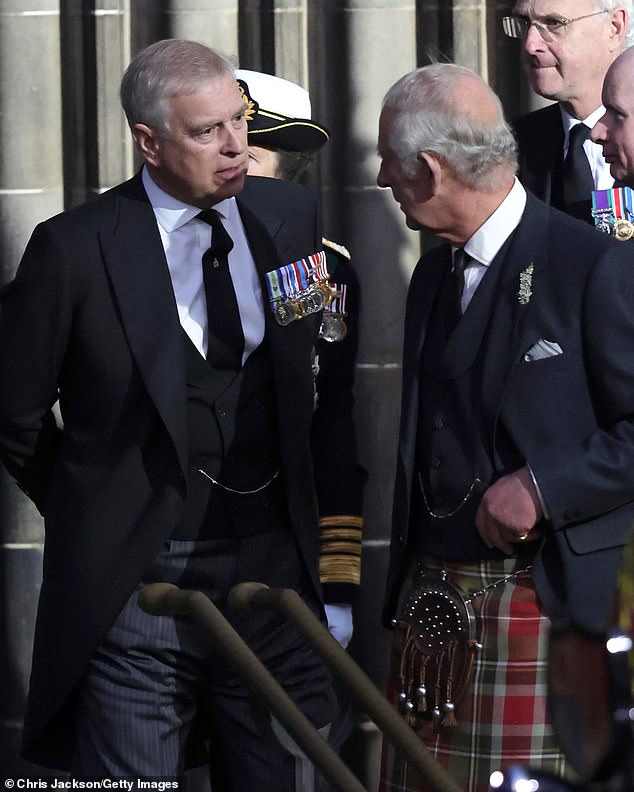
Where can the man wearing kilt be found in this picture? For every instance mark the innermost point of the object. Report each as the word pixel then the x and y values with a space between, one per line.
pixel 514 490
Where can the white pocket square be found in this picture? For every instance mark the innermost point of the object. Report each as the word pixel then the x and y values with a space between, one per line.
pixel 543 349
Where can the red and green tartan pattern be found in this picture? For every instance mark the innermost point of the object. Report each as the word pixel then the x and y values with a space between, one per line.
pixel 502 717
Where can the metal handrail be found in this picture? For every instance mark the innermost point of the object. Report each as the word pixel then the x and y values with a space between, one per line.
pixel 164 598
pixel 374 703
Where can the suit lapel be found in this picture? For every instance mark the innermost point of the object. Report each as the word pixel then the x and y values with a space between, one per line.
pixel 552 152
pixel 524 260
pixel 541 139
pixel 289 345
pixel 266 259
pixel 135 260
pixel 424 289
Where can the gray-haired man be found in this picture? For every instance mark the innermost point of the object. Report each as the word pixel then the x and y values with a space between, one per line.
pixel 567 47
pixel 515 479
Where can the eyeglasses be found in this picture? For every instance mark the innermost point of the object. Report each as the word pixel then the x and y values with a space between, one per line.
pixel 549 28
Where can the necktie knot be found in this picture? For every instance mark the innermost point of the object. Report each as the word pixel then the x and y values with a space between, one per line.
pixel 460 260
pixel 578 136
pixel 221 242
pixel 453 308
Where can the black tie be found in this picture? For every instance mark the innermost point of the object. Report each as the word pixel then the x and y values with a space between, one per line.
pixel 225 339
pixel 456 288
pixel 578 183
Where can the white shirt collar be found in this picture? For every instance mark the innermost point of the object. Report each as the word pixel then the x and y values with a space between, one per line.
pixel 184 242
pixel 171 213
pixel 569 121
pixel 484 245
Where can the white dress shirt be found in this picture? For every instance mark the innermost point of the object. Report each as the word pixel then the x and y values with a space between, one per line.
pixel 185 239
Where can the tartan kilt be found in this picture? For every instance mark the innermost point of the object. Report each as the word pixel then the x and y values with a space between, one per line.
pixel 501 718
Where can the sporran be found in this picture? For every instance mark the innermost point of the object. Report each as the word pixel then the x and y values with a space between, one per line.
pixel 435 646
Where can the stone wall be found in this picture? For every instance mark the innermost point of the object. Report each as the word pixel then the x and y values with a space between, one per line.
pixel 64 140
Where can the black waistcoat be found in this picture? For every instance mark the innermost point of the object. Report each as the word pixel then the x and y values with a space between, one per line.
pixel 455 460
pixel 233 439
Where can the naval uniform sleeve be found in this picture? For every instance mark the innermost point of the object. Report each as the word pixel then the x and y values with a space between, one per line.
pixel 339 477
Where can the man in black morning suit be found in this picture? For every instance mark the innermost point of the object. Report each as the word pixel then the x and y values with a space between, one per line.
pixel 567 47
pixel 516 450
pixel 169 466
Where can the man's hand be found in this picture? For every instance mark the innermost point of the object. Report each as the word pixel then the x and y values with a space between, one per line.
pixel 340 623
pixel 509 510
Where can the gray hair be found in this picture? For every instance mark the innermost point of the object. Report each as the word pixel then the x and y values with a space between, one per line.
pixel 163 70
pixel 428 119
pixel 612 5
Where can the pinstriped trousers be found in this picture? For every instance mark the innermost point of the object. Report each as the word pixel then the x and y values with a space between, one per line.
pixel 155 676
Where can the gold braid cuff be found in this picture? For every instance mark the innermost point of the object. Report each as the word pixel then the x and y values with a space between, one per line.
pixel 340 549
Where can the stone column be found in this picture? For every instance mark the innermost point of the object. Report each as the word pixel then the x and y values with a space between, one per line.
pixel 212 23
pixel 30 122
pixel 358 48
pixel 367 220
pixel 256 35
pixel 290 19
pixel 96 49
pixel 30 190
pixel 470 40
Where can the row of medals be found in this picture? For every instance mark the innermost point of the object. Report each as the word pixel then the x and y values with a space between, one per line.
pixel 318 297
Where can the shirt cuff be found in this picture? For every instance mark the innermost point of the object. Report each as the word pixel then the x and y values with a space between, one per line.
pixel 539 492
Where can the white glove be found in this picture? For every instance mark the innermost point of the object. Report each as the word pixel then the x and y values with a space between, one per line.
pixel 340 623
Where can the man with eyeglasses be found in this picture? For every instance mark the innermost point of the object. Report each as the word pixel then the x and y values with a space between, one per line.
pixel 567 48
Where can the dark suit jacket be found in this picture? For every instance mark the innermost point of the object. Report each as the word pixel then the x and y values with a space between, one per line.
pixel 540 140
pixel 570 416
pixel 91 318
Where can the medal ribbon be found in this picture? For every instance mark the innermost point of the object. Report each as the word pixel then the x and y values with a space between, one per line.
pixel 299 276
pixel 338 304
pixel 600 202
pixel 627 201
pixel 617 203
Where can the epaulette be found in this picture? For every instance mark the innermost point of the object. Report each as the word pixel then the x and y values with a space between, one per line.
pixel 337 248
